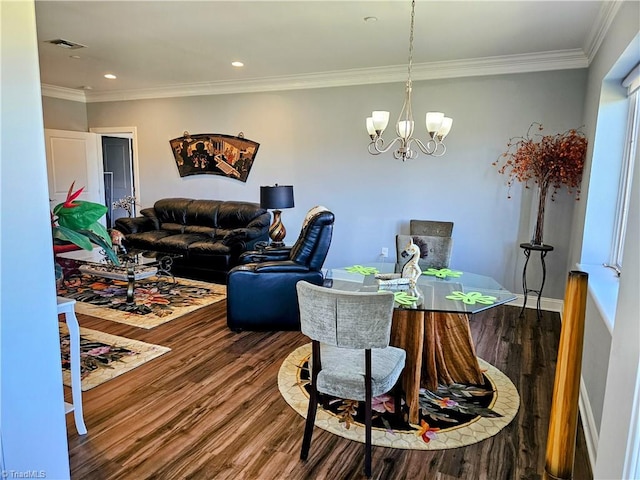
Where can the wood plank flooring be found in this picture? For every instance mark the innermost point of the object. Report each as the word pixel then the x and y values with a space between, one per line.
pixel 211 409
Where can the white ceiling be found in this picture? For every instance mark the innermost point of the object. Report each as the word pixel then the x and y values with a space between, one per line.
pixel 162 48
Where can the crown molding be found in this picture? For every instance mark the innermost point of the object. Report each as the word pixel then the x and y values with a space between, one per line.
pixel 608 11
pixel 507 64
pixel 63 93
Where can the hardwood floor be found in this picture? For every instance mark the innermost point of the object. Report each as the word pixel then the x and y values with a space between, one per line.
pixel 211 409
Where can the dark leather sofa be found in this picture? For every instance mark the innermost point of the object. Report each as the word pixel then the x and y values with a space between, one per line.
pixel 261 292
pixel 209 234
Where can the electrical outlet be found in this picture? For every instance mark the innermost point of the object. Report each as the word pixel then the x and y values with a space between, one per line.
pixel 384 252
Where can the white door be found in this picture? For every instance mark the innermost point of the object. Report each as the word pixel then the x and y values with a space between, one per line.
pixel 74 157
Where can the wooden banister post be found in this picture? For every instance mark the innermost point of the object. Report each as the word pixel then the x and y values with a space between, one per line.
pixel 563 424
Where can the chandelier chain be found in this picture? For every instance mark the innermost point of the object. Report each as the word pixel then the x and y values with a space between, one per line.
pixel 413 7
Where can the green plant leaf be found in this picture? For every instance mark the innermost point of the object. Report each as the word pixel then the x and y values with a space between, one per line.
pixel 101 231
pixel 68 235
pixel 80 217
pixel 107 247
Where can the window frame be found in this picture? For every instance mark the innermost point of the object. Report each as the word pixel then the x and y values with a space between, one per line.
pixel 632 82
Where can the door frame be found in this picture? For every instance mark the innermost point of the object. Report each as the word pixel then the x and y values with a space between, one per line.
pixel 123 132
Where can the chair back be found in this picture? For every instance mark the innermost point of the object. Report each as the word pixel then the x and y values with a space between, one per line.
pixel 433 238
pixel 360 320
pixel 430 227
pixel 314 241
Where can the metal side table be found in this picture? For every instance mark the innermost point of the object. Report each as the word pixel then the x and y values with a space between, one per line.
pixel 528 248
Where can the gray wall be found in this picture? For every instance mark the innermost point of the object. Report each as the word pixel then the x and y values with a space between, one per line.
pixel 316 140
pixel 64 114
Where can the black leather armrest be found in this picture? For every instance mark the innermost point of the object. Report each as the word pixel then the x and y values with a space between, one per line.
pixel 280 267
pixel 129 225
pixel 266 255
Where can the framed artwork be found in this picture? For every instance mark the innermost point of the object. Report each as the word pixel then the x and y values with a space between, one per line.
pixel 214 154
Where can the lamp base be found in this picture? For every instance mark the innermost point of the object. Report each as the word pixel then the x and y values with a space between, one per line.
pixel 277 231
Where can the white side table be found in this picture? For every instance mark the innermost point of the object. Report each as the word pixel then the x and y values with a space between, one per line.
pixel 66 306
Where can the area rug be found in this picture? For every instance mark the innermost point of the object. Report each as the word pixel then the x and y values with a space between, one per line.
pixel 452 417
pixel 156 300
pixel 104 356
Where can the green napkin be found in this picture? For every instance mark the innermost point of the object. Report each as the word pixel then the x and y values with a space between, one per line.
pixel 403 298
pixel 442 273
pixel 362 270
pixel 472 298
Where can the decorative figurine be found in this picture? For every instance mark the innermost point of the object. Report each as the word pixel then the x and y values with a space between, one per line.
pixel 410 271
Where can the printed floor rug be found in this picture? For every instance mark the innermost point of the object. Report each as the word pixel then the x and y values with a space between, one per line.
pixel 452 417
pixel 156 300
pixel 104 356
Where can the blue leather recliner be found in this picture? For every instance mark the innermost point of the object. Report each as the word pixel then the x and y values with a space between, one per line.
pixel 261 292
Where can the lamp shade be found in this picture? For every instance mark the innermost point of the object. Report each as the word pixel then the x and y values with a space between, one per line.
pixel 276 197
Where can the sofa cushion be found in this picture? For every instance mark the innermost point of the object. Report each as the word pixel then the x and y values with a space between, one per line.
pixel 237 214
pixel 202 213
pixel 172 210
pixel 173 228
pixel 208 247
pixel 178 243
pixel 146 240
pixel 209 231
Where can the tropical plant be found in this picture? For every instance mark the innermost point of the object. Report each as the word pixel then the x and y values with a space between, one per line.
pixel 76 221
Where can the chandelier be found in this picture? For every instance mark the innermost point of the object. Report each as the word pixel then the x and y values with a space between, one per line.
pixel 438 126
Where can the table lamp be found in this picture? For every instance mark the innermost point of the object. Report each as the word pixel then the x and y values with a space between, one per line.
pixel 275 198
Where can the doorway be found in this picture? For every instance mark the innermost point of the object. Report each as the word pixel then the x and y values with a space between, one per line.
pixel 120 171
pixel 119 191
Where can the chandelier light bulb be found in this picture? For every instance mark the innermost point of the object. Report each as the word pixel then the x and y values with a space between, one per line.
pixel 405 129
pixel 434 121
pixel 380 120
pixel 445 128
pixel 370 128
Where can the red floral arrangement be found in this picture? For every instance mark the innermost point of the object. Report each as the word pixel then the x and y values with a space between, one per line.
pixel 548 160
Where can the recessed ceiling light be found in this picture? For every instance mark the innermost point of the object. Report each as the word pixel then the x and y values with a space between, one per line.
pixel 237 64
pixel 110 76
pixel 370 19
pixel 75 57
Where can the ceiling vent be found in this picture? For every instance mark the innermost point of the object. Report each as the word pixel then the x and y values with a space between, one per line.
pixel 66 44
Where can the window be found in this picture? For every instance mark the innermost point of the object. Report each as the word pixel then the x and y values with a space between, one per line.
pixel 615 146
pixel 632 83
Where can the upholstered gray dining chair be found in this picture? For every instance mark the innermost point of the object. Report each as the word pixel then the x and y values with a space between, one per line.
pixel 351 356
pixel 434 238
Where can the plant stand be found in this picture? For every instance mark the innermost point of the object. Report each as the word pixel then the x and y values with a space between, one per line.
pixel 528 248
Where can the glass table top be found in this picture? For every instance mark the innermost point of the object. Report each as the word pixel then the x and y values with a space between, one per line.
pixel 445 290
pixel 133 256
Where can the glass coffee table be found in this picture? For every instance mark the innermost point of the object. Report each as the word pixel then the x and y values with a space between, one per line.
pixel 430 322
pixel 134 265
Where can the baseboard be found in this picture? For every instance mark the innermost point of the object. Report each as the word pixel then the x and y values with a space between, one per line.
pixel 588 424
pixel 550 304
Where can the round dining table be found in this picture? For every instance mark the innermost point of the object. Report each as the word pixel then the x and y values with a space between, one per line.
pixel 430 321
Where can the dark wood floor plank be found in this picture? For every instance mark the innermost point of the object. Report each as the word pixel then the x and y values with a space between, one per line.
pixel 211 409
